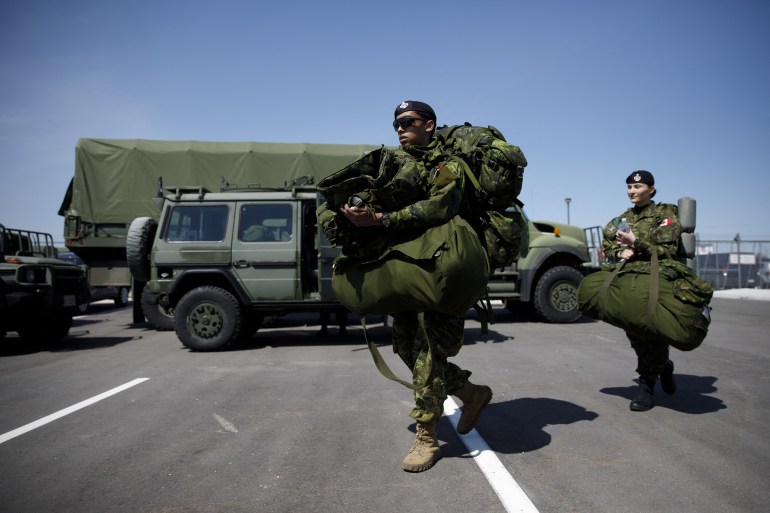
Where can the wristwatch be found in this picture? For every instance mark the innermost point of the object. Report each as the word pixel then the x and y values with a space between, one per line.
pixel 385 220
pixel 635 244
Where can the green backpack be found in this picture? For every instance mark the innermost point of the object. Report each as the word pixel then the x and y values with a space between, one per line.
pixel 495 168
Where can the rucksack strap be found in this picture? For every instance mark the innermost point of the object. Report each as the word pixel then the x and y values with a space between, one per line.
pixel 485 312
pixel 382 366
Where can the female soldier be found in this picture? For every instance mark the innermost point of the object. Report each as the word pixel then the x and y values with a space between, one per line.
pixel 652 227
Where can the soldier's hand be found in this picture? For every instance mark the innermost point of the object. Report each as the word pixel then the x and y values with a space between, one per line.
pixel 626 238
pixel 360 216
pixel 627 254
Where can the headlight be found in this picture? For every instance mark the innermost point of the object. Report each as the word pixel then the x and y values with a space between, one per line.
pixel 32 275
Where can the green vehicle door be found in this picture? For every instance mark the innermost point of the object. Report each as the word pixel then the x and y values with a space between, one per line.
pixel 265 249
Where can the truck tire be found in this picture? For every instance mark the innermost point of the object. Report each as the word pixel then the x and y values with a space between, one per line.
pixel 207 319
pixel 121 299
pixel 555 298
pixel 46 331
pixel 139 238
pixel 160 317
pixel 138 290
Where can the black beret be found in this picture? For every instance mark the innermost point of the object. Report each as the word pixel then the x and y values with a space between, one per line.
pixel 419 107
pixel 641 176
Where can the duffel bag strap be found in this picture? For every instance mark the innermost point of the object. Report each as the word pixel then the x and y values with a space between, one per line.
pixel 652 303
pixel 382 366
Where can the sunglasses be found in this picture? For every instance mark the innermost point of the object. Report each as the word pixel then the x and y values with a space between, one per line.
pixel 405 122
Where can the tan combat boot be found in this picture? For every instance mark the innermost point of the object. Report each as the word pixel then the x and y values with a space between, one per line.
pixel 474 398
pixel 425 452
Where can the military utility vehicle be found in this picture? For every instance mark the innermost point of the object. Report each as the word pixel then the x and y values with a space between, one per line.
pixel 217 263
pixel 39 294
pixel 115 181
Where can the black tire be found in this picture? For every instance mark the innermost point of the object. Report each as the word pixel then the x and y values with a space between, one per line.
pixel 46 331
pixel 157 315
pixel 555 299
pixel 121 299
pixel 207 319
pixel 138 291
pixel 139 239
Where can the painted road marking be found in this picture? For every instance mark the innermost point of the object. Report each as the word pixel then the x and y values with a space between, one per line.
pixel 66 411
pixel 507 489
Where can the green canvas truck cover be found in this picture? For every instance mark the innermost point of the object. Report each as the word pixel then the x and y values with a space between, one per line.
pixel 116 179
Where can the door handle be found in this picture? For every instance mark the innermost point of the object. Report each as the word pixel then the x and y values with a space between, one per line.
pixel 241 264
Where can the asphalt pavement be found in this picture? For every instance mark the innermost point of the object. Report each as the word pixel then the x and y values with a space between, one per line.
pixel 122 418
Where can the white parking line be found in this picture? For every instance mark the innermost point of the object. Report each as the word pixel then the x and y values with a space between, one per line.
pixel 66 411
pixel 507 489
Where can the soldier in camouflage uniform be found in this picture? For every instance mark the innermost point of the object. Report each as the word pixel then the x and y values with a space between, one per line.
pixel 438 195
pixel 653 227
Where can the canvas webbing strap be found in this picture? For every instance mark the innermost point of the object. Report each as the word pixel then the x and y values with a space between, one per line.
pixel 469 174
pixel 652 302
pixel 382 366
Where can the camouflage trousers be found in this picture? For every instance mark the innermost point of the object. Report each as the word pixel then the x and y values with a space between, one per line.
pixel 445 334
pixel 651 355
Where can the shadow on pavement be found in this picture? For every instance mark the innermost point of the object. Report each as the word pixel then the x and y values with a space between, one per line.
pixel 690 395
pixel 517 426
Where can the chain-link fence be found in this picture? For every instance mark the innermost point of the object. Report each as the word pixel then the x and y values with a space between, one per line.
pixel 730 264
pixel 726 264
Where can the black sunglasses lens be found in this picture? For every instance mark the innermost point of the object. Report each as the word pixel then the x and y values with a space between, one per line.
pixel 404 123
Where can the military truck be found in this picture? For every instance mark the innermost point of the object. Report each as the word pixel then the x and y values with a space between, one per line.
pixel 546 276
pixel 115 181
pixel 218 263
pixel 39 294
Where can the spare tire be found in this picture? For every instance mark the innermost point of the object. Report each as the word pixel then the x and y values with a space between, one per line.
pixel 139 239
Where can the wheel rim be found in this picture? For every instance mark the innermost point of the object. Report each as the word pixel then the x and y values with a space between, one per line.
pixel 564 296
pixel 206 320
pixel 124 295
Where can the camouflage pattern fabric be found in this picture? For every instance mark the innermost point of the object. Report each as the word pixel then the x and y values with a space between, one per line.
pixel 445 334
pixel 653 225
pixel 419 186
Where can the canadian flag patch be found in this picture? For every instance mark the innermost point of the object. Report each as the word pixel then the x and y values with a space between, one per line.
pixel 666 222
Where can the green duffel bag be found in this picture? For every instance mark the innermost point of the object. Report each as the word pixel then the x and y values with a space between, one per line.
pixel 445 270
pixel 662 300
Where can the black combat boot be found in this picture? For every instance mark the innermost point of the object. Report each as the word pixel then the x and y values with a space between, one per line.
pixel 667 378
pixel 644 398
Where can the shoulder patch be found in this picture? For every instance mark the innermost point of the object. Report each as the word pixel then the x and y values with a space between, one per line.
pixel 442 175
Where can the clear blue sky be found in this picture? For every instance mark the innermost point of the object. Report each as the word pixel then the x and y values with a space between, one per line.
pixel 590 90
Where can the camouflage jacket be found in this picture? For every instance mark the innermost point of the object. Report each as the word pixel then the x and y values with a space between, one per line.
pixel 654 225
pixel 438 187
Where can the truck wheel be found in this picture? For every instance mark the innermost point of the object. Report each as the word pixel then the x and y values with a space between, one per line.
pixel 555 298
pixel 136 307
pixel 121 299
pixel 157 315
pixel 46 331
pixel 139 238
pixel 207 319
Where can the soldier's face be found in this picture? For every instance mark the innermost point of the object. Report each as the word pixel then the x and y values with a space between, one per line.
pixel 418 131
pixel 640 193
